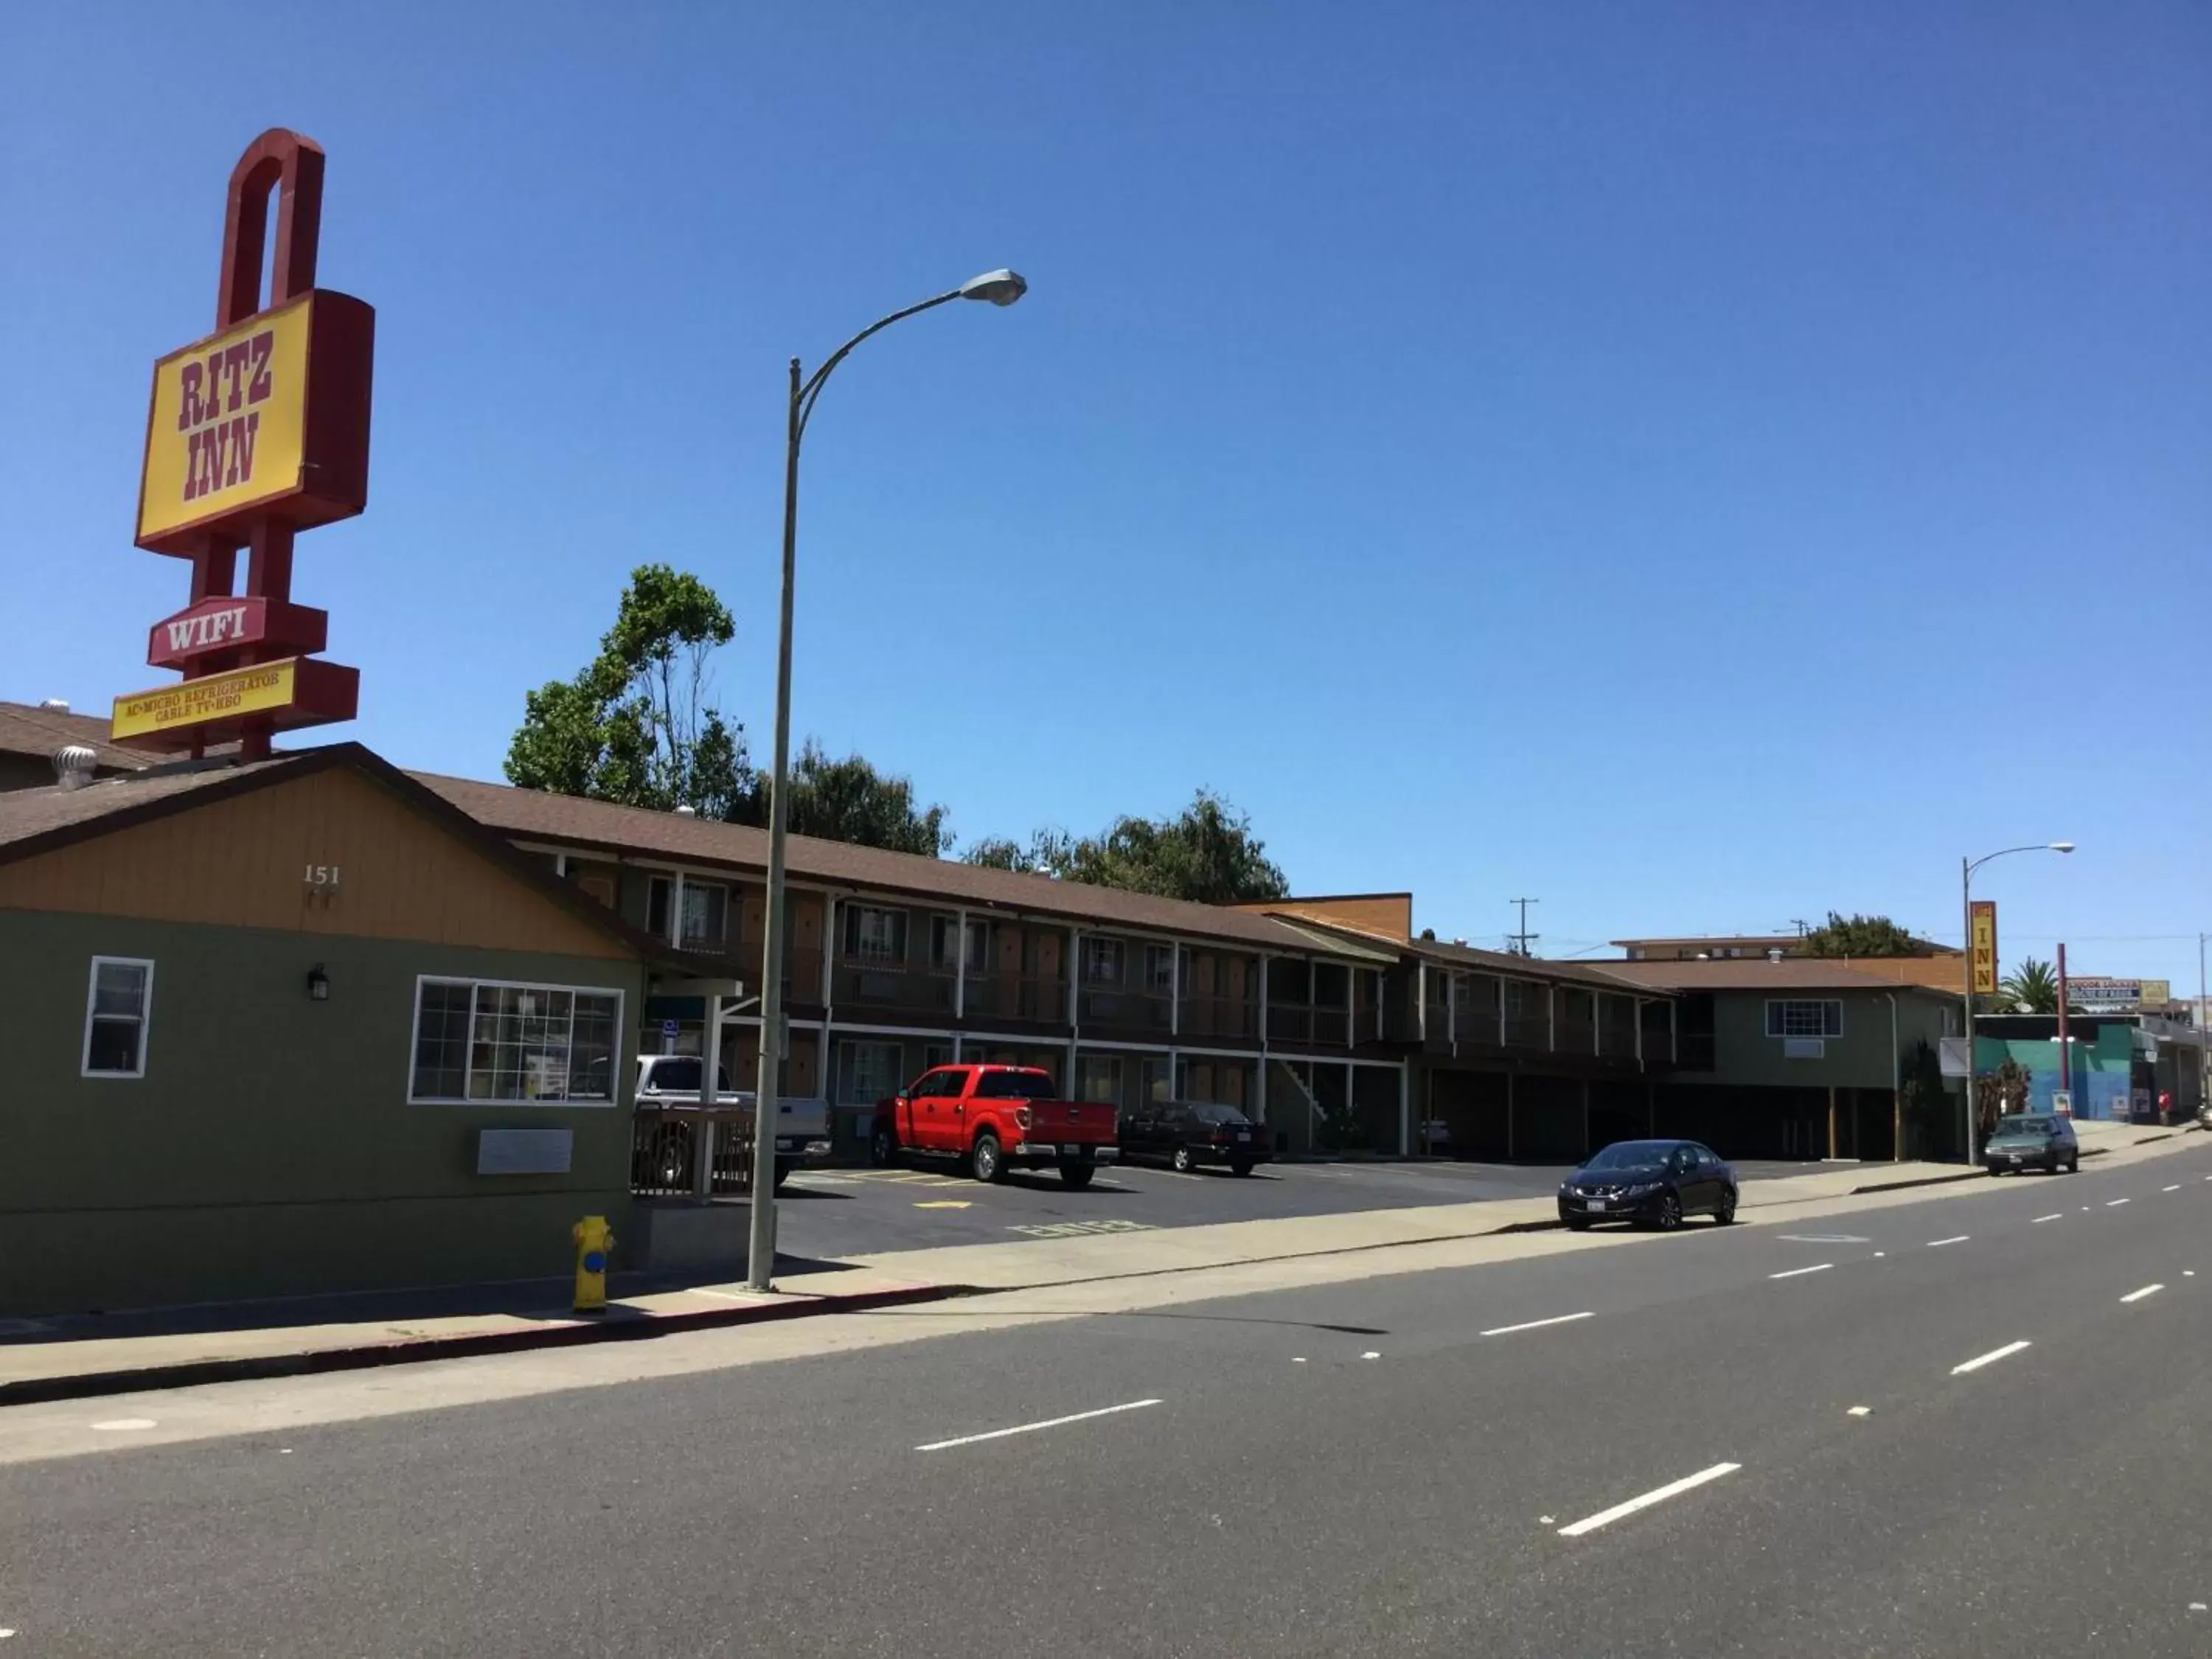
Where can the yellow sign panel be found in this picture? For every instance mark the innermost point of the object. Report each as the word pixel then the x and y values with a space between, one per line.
pixel 2157 993
pixel 241 691
pixel 1983 943
pixel 229 422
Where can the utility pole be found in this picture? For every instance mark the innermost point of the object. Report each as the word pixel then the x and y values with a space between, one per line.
pixel 1524 939
pixel 1802 926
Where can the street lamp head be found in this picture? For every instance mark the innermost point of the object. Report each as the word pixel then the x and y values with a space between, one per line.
pixel 2062 846
pixel 1000 287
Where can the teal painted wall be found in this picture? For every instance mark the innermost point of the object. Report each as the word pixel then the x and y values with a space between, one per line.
pixel 271 1148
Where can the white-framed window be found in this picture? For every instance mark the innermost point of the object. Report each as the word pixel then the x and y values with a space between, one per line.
pixel 1804 1017
pixel 872 1071
pixel 1101 960
pixel 706 914
pixel 118 1008
pixel 1159 967
pixel 494 1040
pixel 874 935
pixel 944 943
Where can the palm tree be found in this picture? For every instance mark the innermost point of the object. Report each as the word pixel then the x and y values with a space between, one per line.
pixel 2032 988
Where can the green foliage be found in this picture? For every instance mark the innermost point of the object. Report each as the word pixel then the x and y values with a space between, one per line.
pixel 1929 1111
pixel 1862 936
pixel 1996 1093
pixel 1207 854
pixel 849 800
pixel 2031 989
pixel 637 726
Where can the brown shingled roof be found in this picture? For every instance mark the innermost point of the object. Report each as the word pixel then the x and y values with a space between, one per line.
pixel 26 729
pixel 532 815
pixel 1757 974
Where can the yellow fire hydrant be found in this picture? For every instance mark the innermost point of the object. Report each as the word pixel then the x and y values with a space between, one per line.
pixel 594 1240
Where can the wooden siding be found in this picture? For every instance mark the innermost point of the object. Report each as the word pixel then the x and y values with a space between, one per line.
pixel 241 862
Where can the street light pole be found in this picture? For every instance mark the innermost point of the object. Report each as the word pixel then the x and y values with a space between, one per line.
pixel 1966 868
pixel 1000 287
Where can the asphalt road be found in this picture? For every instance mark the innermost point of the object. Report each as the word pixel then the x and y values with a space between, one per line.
pixel 829 1213
pixel 1436 1463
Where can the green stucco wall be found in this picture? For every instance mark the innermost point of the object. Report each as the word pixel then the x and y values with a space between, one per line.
pixel 270 1149
pixel 1863 1057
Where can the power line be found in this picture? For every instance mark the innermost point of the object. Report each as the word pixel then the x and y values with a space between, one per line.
pixel 1524 939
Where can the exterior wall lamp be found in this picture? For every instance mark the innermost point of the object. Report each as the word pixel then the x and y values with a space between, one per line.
pixel 318 984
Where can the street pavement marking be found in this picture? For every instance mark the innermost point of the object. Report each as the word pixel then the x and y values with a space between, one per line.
pixel 2137 1296
pixel 1534 1324
pixel 1956 1238
pixel 1671 1489
pixel 1990 1358
pixel 1858 1411
pixel 120 1423
pixel 2040 1220
pixel 940 1203
pixel 1031 1428
pixel 2173 1188
pixel 1071 1228
pixel 2189 1272
pixel 1823 1239
pixel 1796 1271
pixel 2114 1203
pixel 1370 1354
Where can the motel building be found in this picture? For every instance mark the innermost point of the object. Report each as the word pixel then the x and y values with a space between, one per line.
pixel 316 1023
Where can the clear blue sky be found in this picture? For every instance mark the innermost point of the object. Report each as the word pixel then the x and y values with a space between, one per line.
pixel 1537 448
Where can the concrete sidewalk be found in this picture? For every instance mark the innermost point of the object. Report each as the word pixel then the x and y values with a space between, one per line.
pixel 67 1359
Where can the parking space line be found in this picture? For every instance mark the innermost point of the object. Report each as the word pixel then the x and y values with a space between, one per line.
pixel 2173 1188
pixel 1795 1272
pixel 1671 1489
pixel 2040 1220
pixel 1536 1324
pixel 2114 1203
pixel 1031 1428
pixel 2137 1296
pixel 1990 1358
pixel 1956 1238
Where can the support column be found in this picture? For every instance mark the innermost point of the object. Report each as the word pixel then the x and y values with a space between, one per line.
pixel 1831 1121
pixel 1175 997
pixel 1551 1019
pixel 1350 1013
pixel 676 911
pixel 1421 1000
pixel 710 1065
pixel 1074 972
pixel 1405 1110
pixel 960 968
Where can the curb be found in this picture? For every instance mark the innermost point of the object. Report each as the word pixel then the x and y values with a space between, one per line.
pixel 190 1373
pixel 1920 1181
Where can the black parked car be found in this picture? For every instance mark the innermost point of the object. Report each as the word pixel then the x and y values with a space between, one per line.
pixel 2022 1141
pixel 1653 1184
pixel 1190 1132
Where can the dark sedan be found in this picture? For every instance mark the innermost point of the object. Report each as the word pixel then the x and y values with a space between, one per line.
pixel 1653 1184
pixel 1190 1132
pixel 2021 1142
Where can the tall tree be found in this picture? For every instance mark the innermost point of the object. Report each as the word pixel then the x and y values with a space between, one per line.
pixel 2031 989
pixel 849 800
pixel 1862 936
pixel 1207 853
pixel 637 725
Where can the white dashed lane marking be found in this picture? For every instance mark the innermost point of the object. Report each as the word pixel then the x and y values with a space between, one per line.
pixel 1534 1324
pixel 1956 1238
pixel 1031 1428
pixel 1990 1358
pixel 1673 1489
pixel 1795 1273
pixel 2137 1296
pixel 2040 1220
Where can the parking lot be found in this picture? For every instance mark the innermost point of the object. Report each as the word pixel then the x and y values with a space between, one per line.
pixel 829 1213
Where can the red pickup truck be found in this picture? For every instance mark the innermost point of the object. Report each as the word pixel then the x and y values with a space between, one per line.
pixel 990 1117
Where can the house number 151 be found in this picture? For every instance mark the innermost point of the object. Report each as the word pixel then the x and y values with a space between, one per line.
pixel 322 875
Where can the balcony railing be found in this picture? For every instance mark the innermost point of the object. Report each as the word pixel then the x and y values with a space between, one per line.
pixel 668 1145
pixel 1123 1008
pixel 1028 999
pixel 1299 1022
pixel 1530 1028
pixel 1219 1016
pixel 892 985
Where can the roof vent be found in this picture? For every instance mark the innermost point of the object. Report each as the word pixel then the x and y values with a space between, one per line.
pixel 1460 942
pixel 73 765
pixel 53 705
pixel 1774 953
pixel 687 811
